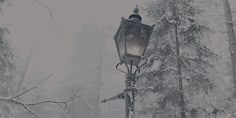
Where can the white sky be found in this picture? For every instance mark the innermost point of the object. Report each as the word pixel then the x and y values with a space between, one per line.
pixel 67 46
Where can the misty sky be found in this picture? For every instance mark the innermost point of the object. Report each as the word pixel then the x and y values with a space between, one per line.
pixel 68 44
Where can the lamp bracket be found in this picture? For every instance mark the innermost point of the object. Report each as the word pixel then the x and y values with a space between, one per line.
pixel 118 96
pixel 130 67
pixel 117 67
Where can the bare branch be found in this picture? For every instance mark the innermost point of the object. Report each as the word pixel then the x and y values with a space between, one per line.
pixel 11 100
pixel 30 111
pixel 35 86
pixel 54 102
pixel 26 106
pixel 44 5
pixel 59 103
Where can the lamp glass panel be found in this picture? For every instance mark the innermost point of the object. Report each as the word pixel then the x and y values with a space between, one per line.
pixel 135 40
pixel 121 46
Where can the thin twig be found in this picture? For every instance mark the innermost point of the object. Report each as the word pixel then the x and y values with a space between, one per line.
pixel 30 111
pixel 35 86
pixel 44 5
pixel 25 69
pixel 26 106
pixel 53 102
pixel 13 99
pixel 65 103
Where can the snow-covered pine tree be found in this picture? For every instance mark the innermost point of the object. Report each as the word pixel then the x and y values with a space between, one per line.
pixel 178 72
pixel 7 68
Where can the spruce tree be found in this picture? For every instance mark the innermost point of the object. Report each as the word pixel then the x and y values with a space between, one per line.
pixel 7 67
pixel 178 70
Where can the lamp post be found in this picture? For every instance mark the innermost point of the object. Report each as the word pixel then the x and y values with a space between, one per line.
pixel 131 38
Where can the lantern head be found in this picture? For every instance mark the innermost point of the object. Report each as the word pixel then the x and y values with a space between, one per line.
pixel 132 38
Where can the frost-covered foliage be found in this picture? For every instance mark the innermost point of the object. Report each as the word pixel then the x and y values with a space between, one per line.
pixel 7 82
pixel 177 53
pixel 14 103
pixel 7 68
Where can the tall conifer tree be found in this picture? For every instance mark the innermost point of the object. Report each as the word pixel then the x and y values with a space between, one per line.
pixel 178 69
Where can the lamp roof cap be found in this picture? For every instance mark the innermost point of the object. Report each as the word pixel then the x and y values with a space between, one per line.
pixel 135 16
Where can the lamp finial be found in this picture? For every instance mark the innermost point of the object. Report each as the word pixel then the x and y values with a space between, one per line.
pixel 135 16
pixel 136 10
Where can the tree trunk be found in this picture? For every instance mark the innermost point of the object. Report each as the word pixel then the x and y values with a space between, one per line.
pixel 160 75
pixel 174 111
pixel 232 39
pixel 179 75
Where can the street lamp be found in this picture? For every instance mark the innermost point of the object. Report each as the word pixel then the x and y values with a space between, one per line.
pixel 131 38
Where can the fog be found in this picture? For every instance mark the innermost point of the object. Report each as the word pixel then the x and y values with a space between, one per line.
pixel 75 44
